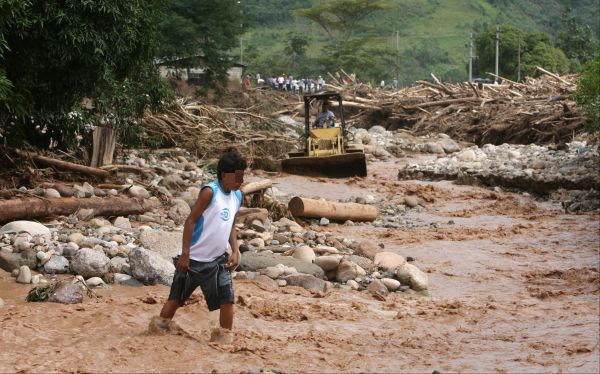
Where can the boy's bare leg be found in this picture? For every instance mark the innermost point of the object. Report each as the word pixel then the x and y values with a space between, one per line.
pixel 169 309
pixel 226 316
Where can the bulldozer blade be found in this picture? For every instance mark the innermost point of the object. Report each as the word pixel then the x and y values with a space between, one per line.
pixel 336 166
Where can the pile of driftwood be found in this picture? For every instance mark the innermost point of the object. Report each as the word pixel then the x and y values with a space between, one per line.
pixel 207 130
pixel 537 110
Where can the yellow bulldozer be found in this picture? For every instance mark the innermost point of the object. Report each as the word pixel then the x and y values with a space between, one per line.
pixel 326 147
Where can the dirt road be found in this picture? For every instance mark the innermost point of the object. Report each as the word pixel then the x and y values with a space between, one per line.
pixel 514 287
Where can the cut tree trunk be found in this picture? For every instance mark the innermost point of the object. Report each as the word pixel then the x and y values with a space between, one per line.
pixel 304 207
pixel 256 186
pixel 33 207
pixel 104 140
pixel 64 165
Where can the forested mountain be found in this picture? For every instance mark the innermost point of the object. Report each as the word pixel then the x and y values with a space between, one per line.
pixel 420 36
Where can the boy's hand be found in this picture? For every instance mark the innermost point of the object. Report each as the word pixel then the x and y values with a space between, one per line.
pixel 183 263
pixel 234 260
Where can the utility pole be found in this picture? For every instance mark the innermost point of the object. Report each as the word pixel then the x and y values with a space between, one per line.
pixel 397 56
pixel 241 37
pixel 471 57
pixel 519 63
pixel 497 50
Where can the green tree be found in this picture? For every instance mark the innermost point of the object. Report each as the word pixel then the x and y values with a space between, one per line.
pixel 57 53
pixel 536 49
pixel 296 49
pixel 209 28
pixel 588 92
pixel 348 34
pixel 577 41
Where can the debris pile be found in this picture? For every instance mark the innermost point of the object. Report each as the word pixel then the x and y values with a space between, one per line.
pixel 207 130
pixel 539 110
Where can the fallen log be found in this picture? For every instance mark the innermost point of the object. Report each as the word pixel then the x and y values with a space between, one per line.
pixel 34 207
pixel 256 186
pixel 64 165
pixel 304 207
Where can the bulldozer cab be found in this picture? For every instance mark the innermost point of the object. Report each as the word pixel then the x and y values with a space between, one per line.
pixel 326 133
pixel 326 147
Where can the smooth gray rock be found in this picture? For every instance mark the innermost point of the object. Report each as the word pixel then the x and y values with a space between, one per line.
pixel 433 148
pixel 32 228
pixel 24 275
pixel 150 267
pixel 391 284
pixel 167 244
pixel 306 281
pixel 127 280
pixel 56 265
pixel 10 261
pixel 90 263
pixel 388 261
pixel 51 192
pixel 254 261
pixel 179 211
pixel 137 191
pixel 363 262
pixel 122 223
pixel 304 253
pixel 449 145
pixel 411 275
pixel 70 293
pixel 377 287
pixel 411 201
pixel 367 249
pixel 348 270
pixel 328 263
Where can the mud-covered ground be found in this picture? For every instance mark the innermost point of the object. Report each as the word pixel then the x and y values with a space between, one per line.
pixel 514 287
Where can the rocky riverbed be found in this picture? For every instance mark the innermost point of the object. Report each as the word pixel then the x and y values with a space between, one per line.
pixel 442 263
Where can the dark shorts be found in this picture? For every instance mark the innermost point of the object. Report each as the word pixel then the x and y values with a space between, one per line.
pixel 212 277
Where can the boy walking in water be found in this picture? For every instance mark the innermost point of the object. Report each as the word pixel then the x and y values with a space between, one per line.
pixel 203 260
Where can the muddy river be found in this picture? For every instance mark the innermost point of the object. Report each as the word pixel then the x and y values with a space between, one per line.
pixel 514 287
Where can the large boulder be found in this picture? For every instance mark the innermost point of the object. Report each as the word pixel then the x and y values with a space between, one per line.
pixel 24 275
pixel 449 145
pixel 70 293
pixel 304 253
pixel 349 270
pixel 165 243
pixel 10 261
pixel 179 211
pixel 252 261
pixel 56 265
pixel 367 249
pixel 389 261
pixel 306 281
pixel 150 267
pixel 328 263
pixel 433 148
pixel 32 228
pixel 411 275
pixel 90 263
pixel 363 262
pixel 377 288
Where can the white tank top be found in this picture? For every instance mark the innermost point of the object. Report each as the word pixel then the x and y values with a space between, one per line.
pixel 211 232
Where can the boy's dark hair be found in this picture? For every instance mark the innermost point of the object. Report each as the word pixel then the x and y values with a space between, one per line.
pixel 230 162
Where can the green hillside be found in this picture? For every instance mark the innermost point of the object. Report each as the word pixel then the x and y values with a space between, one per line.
pixel 433 32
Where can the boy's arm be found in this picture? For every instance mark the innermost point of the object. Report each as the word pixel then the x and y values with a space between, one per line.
pixel 188 228
pixel 234 260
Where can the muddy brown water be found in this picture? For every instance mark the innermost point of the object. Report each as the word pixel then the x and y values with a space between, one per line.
pixel 514 287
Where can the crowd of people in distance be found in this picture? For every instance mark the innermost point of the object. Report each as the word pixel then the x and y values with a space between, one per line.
pixel 288 83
